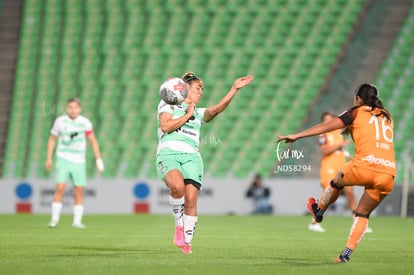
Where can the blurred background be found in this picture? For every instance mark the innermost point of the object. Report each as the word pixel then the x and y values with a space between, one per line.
pixel 307 57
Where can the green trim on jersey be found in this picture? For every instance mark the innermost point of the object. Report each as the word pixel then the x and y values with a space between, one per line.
pixel 73 123
pixel 189 133
pixel 74 151
pixel 72 138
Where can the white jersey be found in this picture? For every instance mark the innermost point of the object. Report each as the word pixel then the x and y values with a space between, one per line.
pixel 72 137
pixel 185 139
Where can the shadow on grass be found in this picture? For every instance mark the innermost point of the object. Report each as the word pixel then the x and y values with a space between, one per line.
pixel 303 262
pixel 109 251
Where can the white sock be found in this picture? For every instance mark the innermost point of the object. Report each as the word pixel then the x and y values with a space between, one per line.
pixel 177 209
pixel 190 223
pixel 56 209
pixel 77 214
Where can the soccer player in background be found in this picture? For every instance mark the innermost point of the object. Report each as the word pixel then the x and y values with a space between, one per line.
pixel 334 156
pixel 178 161
pixel 71 131
pixel 373 166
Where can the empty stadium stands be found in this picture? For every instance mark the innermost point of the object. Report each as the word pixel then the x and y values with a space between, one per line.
pixel 396 86
pixel 114 54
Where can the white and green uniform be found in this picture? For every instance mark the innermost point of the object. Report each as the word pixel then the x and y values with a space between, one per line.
pixel 180 148
pixel 71 148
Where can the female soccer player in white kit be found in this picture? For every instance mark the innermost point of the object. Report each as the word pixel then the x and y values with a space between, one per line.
pixel 178 160
pixel 71 131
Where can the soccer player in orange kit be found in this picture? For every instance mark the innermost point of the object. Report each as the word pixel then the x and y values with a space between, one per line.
pixel 333 158
pixel 373 166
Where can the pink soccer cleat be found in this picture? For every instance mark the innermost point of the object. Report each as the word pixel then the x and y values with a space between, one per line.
pixel 179 236
pixel 186 248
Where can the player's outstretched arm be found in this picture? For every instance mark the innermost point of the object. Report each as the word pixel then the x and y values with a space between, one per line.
pixel 317 129
pixel 212 111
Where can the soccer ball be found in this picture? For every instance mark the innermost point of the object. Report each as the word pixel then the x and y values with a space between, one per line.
pixel 173 91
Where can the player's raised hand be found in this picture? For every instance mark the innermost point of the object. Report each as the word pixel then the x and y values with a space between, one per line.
pixel 190 109
pixel 242 81
pixel 287 138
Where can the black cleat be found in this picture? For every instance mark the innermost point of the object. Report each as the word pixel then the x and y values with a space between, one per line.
pixel 342 259
pixel 314 209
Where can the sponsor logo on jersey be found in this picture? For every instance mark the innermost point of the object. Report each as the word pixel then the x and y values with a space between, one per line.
pixel 380 161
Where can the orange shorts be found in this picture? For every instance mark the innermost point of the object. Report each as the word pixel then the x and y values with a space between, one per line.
pixel 378 185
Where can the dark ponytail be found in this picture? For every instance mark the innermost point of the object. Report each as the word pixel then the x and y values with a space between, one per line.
pixel 188 77
pixel 369 95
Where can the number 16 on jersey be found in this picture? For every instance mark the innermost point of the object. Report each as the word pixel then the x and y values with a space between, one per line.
pixel 383 131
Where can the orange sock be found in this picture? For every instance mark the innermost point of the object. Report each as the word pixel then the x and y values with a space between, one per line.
pixel 357 232
pixel 329 196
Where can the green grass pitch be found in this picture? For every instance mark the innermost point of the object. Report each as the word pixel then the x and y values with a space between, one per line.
pixel 142 244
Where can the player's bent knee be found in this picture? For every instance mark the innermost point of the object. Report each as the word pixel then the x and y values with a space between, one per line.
pixel 362 215
pixel 336 185
pixel 177 191
pixel 176 185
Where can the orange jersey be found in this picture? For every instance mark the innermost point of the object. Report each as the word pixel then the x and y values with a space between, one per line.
pixel 373 135
pixel 332 162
